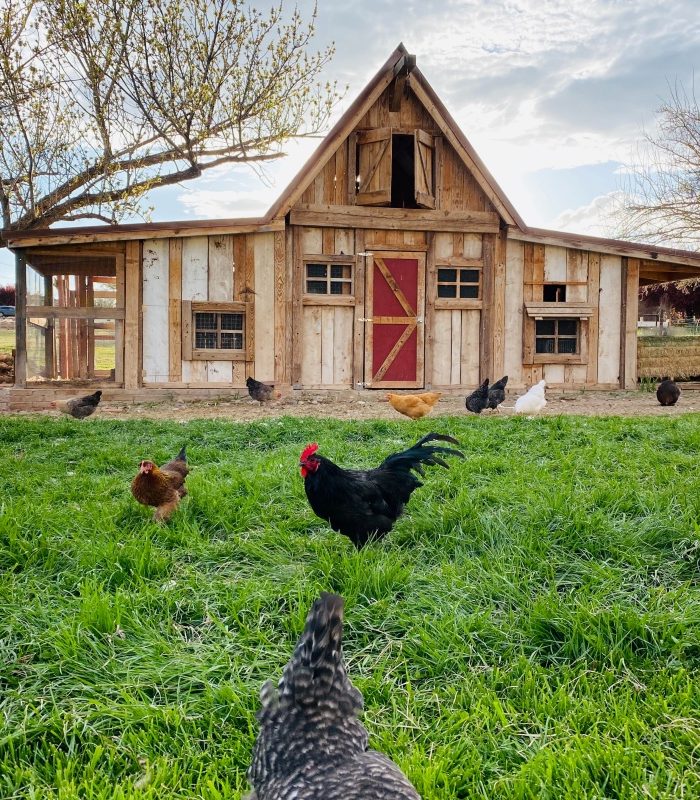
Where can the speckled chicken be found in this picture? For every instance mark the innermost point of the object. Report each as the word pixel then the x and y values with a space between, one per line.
pixel 81 407
pixel 668 392
pixel 262 392
pixel 478 400
pixel 311 744
pixel 161 487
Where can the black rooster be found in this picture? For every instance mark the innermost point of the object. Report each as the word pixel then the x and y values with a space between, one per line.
pixel 497 392
pixel 365 504
pixel 311 745
pixel 478 400
pixel 668 392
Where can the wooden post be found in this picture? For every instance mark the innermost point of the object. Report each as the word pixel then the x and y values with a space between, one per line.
pixel 20 319
pixel 486 334
pixel 132 326
pixel 49 358
pixel 175 310
pixel 630 294
pixel 498 320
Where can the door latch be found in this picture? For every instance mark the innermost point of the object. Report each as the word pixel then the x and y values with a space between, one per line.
pixel 364 319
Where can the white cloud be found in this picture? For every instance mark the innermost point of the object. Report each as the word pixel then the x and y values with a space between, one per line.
pixel 596 218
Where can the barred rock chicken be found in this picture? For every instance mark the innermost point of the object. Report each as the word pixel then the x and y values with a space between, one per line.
pixel 262 392
pixel 533 400
pixel 668 392
pixel 81 407
pixel 414 406
pixel 311 745
pixel 161 487
pixel 497 392
pixel 365 504
pixel 478 400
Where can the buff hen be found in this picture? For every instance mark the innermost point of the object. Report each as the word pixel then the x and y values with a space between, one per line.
pixel 414 406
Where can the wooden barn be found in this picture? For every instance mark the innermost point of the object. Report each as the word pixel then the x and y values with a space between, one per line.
pixel 393 260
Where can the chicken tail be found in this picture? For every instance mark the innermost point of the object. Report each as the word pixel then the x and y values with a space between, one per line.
pixel 416 456
pixel 182 455
pixel 316 668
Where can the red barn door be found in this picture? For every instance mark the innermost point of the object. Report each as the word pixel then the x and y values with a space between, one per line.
pixel 394 340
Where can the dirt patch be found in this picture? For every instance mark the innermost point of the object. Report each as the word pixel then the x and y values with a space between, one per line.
pixel 372 406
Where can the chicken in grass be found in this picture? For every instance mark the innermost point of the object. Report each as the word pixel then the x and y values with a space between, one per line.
pixel 161 487
pixel 497 393
pixel 668 392
pixel 262 392
pixel 365 504
pixel 478 400
pixel 414 406
pixel 533 401
pixel 80 407
pixel 311 744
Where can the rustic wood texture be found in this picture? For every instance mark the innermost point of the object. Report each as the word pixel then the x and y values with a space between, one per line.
pixel 593 298
pixel 630 290
pixel 513 335
pixel 175 311
pixel 264 250
pixel 195 287
pixel 609 327
pixel 398 219
pixel 155 309
pixel 132 309
pixel 220 289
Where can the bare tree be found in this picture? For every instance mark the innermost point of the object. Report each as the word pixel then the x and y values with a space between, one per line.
pixel 661 193
pixel 103 101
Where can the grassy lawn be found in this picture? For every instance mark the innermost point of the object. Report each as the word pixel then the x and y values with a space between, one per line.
pixel 530 629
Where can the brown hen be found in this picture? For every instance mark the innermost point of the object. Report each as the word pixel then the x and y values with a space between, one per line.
pixel 161 487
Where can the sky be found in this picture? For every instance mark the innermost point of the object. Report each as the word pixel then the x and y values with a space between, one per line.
pixel 554 95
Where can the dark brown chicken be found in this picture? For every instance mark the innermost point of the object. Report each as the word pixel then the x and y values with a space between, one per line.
pixel 365 504
pixel 667 393
pixel 81 407
pixel 311 745
pixel 262 392
pixel 161 487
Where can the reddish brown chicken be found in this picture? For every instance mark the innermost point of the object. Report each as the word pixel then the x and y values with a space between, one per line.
pixel 161 487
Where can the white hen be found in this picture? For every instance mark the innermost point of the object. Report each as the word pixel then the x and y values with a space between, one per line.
pixel 532 401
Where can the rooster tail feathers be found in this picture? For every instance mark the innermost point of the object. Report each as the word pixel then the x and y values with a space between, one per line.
pixel 182 455
pixel 418 455
pixel 435 437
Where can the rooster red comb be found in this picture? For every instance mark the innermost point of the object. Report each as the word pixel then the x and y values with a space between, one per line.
pixel 309 450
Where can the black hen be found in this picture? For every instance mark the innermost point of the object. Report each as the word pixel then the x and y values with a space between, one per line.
pixel 497 392
pixel 478 400
pixel 365 504
pixel 261 392
pixel 311 745
pixel 81 407
pixel 667 393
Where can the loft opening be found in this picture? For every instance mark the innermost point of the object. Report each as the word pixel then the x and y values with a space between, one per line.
pixel 554 293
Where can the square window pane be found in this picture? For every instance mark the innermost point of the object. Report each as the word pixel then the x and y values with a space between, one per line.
pixel 447 275
pixel 447 290
pixel 568 327
pixel 232 322
pixel 316 287
pixel 205 341
pixel 205 321
pixel 469 291
pixel 232 341
pixel 544 327
pixel 567 345
pixel 544 345
pixel 340 270
pixel 338 287
pixel 316 270
pixel 469 275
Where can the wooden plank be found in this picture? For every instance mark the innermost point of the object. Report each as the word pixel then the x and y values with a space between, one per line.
pixel 359 282
pixel 593 296
pixel 456 337
pixel 195 287
pixel 351 186
pixel 555 260
pixel 327 345
pixel 264 250
pixel 554 374
pixel 471 323
pixel 74 312
pixel 155 309
pixel 513 330
pixel 342 346
pixel 472 246
pixel 311 371
pixel 576 276
pixel 175 310
pixel 344 242
pixel 132 314
pixel 631 289
pixel 297 309
pixel 609 319
pixel 442 348
pixel 499 306
pixel 486 335
pixel 249 292
pixel 328 239
pixel 394 219
pixel 20 318
pixel 279 309
pixel 312 241
pixel 220 290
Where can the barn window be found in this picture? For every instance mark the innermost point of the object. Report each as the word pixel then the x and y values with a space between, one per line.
pixel 557 336
pixel 395 168
pixel 328 278
pixel 213 331
pixel 462 283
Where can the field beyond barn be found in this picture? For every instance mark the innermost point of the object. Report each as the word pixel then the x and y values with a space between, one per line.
pixel 530 629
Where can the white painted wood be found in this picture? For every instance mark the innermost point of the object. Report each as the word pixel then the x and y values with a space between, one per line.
pixel 344 242
pixel 554 374
pixel 471 324
pixel 456 336
pixel 327 344
pixel 156 365
pixel 442 348
pixel 343 345
pixel 610 298
pixel 264 255
pixel 311 241
pixel 220 287
pixel 513 337
pixel 472 245
pixel 443 245
pixel 195 286
pixel 554 263
pixel 311 346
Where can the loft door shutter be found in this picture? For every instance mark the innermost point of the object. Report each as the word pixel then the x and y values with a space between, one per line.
pixel 424 159
pixel 374 148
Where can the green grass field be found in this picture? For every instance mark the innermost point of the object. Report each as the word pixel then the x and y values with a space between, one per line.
pixel 530 629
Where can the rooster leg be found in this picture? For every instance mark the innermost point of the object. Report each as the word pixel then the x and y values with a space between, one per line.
pixel 165 511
